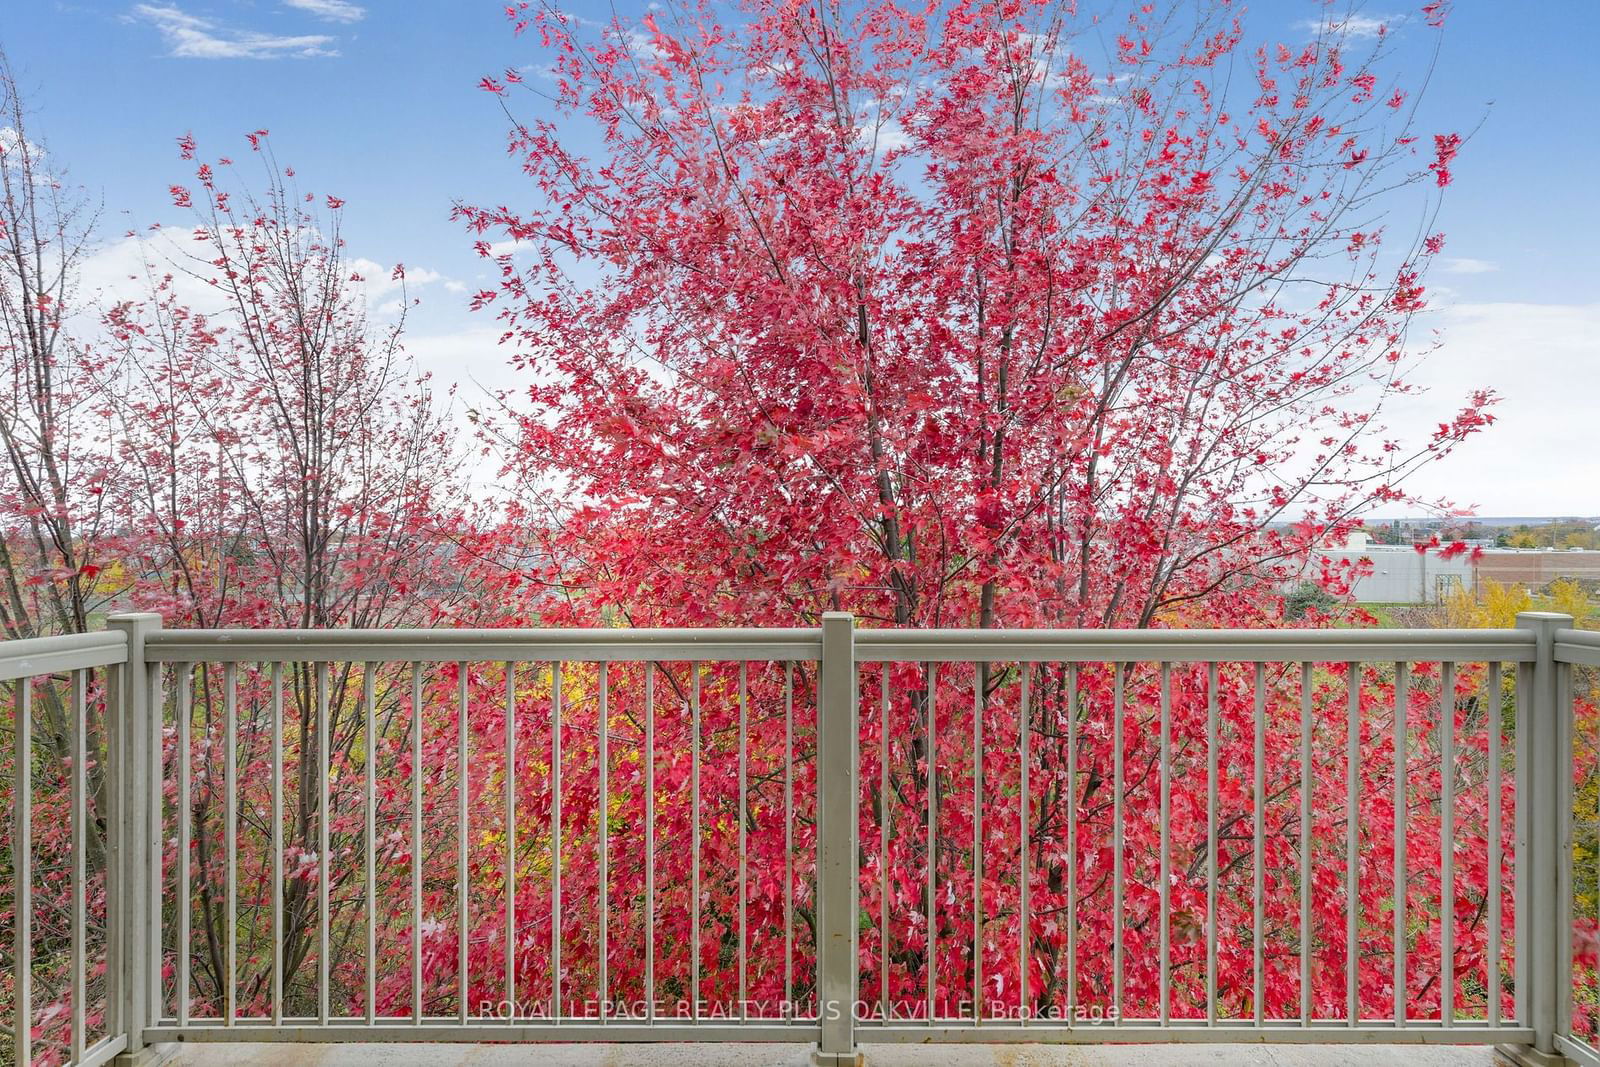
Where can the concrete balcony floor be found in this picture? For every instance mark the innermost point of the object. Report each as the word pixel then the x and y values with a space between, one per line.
pixel 785 1055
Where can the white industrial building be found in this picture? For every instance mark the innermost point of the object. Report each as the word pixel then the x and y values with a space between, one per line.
pixel 1399 574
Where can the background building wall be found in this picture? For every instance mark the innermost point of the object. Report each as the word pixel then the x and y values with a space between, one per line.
pixel 1402 575
pixel 1538 567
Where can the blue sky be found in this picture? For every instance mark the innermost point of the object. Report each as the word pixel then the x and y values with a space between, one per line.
pixel 376 101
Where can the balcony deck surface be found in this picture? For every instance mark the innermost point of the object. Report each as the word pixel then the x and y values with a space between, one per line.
pixel 785 1055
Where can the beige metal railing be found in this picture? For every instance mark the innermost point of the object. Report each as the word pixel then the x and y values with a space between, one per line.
pixel 143 712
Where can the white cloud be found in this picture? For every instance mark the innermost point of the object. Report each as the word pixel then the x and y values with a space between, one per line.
pixel 124 270
pixel 18 153
pixel 1464 265
pixel 378 281
pixel 118 271
pixel 473 361
pixel 11 141
pixel 508 248
pixel 1538 458
pixel 330 10
pixel 542 71
pixel 470 357
pixel 1358 26
pixel 892 136
pixel 642 41
pixel 886 136
pixel 192 37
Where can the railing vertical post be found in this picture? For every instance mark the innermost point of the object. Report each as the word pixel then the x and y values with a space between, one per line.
pixel 1548 750
pixel 837 845
pixel 133 915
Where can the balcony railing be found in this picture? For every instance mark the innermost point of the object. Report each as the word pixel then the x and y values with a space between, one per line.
pixel 830 835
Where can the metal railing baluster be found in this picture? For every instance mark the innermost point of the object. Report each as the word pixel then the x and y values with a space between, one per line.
pixel 744 731
pixel 1212 933
pixel 511 842
pixel 883 845
pixel 1258 853
pixel 1352 829
pixel 788 837
pixel 462 824
pixel 369 745
pixel 978 696
pixel 79 754
pixel 416 843
pixel 22 869
pixel 1447 837
pixel 1072 843
pixel 1402 755
pixel 230 837
pixel 155 836
pixel 277 844
pixel 556 1011
pixel 1165 888
pixel 1492 723
pixel 602 827
pixel 185 713
pixel 1024 809
pixel 1307 777
pixel 1118 835
pixel 694 838
pixel 932 762
pixel 1521 735
pixel 650 842
pixel 324 817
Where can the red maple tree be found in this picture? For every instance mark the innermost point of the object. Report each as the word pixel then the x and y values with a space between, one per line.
pixel 995 314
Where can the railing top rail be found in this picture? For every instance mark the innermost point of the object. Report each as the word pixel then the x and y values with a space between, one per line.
pixel 1196 646
pixel 871 645
pixel 1578 646
pixel 515 645
pixel 64 652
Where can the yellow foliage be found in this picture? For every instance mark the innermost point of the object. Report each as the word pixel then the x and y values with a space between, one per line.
pixel 1568 597
pixel 1461 609
pixel 1495 606
pixel 1502 602
pixel 113 578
